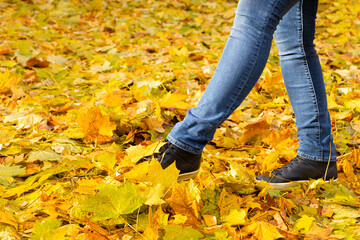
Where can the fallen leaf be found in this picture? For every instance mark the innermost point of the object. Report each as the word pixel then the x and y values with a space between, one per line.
pixel 38 63
pixel 262 230
pixel 95 125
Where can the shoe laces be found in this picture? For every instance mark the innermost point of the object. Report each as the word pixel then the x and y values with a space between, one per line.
pixel 286 166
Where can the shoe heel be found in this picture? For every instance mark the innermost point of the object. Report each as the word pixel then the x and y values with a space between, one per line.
pixel 188 176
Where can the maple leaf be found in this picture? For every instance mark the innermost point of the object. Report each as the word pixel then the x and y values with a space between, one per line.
pixel 316 232
pixel 47 230
pixel 112 201
pixel 182 202
pixel 95 125
pixel 8 82
pixel 262 230
pixel 235 217
pixel 255 131
pixel 135 153
pixel 176 232
pixel 145 75
pixel 9 219
pixel 304 223
pixel 8 172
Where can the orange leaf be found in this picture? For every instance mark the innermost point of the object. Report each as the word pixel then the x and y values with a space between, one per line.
pixel 182 202
pixel 255 130
pixel 5 50
pixel 34 62
pixel 95 125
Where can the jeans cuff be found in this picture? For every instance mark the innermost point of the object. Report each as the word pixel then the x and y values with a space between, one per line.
pixel 183 146
pixel 304 155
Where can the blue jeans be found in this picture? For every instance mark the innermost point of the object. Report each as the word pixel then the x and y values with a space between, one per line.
pixel 292 22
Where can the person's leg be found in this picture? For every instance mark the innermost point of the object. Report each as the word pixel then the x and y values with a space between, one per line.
pixel 305 85
pixel 241 64
pixel 304 82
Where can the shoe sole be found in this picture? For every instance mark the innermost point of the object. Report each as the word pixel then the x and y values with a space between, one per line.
pixel 188 175
pixel 282 186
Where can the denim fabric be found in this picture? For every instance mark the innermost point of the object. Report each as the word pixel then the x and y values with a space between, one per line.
pixel 292 22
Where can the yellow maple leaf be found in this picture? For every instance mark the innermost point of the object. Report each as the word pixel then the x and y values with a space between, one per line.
pixel 269 162
pixel 235 217
pixel 8 82
pixel 166 177
pixel 153 173
pixel 262 230
pixel 174 100
pixel 135 153
pixel 8 218
pixel 303 224
pixel 182 202
pixel 95 125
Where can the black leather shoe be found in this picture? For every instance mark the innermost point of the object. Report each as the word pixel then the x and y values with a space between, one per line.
pixel 299 170
pixel 188 163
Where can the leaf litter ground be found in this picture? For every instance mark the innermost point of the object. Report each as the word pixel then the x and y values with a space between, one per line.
pixel 88 88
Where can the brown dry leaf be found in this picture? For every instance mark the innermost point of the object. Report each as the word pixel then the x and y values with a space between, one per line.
pixel 38 63
pixel 95 125
pixel 4 50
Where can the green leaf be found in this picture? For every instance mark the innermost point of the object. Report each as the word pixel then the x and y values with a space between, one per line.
pixel 47 230
pixel 106 159
pixel 24 48
pixel 304 223
pixel 112 201
pixel 176 232
pixel 44 155
pixel 210 199
pixel 7 172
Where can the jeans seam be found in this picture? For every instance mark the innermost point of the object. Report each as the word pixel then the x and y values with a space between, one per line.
pixel 183 146
pixel 310 77
pixel 302 154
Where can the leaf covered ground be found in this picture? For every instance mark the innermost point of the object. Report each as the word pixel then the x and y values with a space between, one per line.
pixel 88 88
